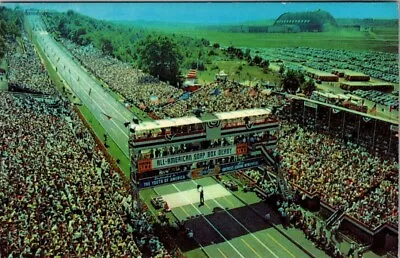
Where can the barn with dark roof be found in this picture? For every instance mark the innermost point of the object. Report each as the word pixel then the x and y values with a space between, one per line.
pixel 316 21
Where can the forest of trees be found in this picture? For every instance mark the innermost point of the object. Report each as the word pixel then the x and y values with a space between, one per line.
pixel 125 42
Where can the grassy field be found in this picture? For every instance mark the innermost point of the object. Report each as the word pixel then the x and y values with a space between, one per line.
pixel 237 70
pixel 113 150
pixel 381 39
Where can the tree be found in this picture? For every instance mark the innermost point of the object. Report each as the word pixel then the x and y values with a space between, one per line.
pixel 216 45
pixel 2 47
pixel 301 77
pixel 63 29
pixel 257 60
pixel 13 30
pixel 107 47
pixel 247 55
pixel 308 87
pixel 291 82
pixel 3 28
pixel 78 36
pixel 265 64
pixel 281 69
pixel 160 57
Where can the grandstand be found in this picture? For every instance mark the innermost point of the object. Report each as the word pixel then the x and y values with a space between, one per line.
pixel 170 150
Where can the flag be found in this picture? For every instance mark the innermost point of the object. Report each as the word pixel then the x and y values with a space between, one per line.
pixel 108 117
pixel 192 74
pixel 373 109
pixel 90 91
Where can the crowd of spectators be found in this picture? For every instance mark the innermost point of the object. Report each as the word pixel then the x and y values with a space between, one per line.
pixel 314 231
pixel 139 88
pixel 383 198
pixel 270 187
pixel 150 94
pixel 292 215
pixel 25 71
pixel 313 161
pixel 59 195
pixel 345 175
pixel 222 96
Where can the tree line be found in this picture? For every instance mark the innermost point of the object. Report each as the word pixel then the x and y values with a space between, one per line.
pixel 126 43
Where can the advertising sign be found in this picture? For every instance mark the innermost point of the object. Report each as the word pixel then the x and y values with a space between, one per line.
pixel 159 180
pixel 192 157
pixel 199 172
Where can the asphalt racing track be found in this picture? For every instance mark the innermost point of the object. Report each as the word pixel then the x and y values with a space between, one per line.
pixel 93 95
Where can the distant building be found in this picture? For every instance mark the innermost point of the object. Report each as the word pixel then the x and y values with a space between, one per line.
pixel 316 21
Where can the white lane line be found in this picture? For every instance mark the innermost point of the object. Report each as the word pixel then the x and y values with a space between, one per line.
pixel 71 79
pixel 209 222
pixel 248 231
pixel 89 81
pixel 202 248
pixel 104 123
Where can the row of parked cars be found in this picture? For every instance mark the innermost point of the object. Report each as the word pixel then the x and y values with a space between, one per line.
pixel 379 97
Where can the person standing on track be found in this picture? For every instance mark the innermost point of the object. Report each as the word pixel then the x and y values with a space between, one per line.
pixel 200 189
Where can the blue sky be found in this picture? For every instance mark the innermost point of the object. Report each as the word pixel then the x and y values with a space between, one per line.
pixel 214 13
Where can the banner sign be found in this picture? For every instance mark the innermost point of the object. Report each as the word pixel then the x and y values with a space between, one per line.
pixel 192 157
pixel 240 165
pixel 310 104
pixel 158 180
pixel 199 172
